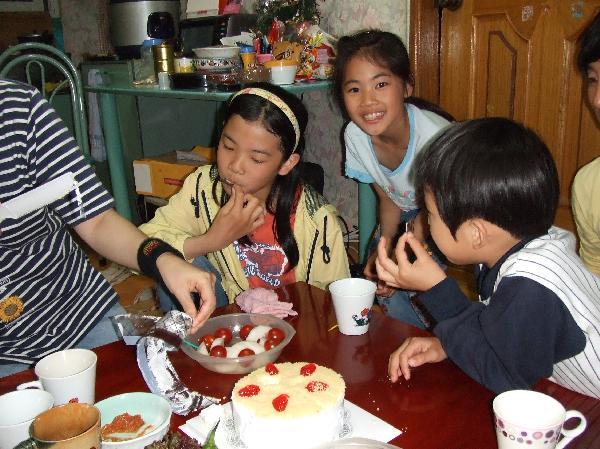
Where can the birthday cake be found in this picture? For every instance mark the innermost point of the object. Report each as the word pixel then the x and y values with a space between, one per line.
pixel 289 405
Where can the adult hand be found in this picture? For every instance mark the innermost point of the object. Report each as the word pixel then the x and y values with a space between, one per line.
pixel 241 215
pixel 415 351
pixel 183 279
pixel 370 273
pixel 421 274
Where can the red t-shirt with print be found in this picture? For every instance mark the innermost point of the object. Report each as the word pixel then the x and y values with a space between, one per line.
pixel 264 262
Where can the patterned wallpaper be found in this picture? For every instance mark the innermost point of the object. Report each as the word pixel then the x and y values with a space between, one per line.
pixel 85 31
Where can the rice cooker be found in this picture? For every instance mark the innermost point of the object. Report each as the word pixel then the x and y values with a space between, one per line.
pixel 129 21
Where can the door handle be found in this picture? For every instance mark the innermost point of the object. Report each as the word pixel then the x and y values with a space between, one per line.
pixel 452 5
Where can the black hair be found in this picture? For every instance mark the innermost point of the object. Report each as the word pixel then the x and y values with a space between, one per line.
pixel 281 199
pixel 589 45
pixel 494 169
pixel 384 49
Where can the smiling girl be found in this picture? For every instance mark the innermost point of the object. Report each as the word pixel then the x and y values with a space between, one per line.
pixel 387 129
pixel 249 218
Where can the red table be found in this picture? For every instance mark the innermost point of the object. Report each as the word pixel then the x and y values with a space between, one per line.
pixel 440 407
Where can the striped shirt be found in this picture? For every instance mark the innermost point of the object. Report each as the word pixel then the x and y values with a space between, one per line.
pixel 552 262
pixel 538 317
pixel 50 296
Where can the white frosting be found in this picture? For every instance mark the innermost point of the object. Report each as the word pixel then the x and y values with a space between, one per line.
pixel 309 419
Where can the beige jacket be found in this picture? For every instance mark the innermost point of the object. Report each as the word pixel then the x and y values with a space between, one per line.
pixel 317 232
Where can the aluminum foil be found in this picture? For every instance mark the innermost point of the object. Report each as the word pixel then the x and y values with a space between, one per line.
pixel 132 327
pixel 158 371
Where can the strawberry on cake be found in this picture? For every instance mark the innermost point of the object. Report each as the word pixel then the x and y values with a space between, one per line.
pixel 289 405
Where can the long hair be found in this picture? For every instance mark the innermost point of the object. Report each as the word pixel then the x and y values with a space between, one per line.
pixel 281 201
pixel 384 49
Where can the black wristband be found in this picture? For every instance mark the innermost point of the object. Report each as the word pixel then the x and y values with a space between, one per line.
pixel 148 252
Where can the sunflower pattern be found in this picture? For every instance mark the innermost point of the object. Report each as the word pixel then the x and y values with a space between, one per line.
pixel 10 309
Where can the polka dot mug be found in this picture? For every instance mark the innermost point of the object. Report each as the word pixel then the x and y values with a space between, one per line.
pixel 527 419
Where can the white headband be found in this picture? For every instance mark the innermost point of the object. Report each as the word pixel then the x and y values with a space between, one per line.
pixel 282 105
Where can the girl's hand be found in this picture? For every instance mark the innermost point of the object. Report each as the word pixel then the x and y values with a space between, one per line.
pixel 241 215
pixel 415 351
pixel 370 273
pixel 421 275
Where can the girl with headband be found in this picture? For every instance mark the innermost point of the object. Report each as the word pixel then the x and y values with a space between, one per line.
pixel 249 218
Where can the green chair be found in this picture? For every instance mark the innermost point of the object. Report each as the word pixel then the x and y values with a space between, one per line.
pixel 36 60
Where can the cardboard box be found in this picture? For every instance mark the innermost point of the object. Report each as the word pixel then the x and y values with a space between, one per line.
pixel 162 176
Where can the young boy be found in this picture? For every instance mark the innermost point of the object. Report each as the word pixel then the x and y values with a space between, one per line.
pixel 586 186
pixel 491 190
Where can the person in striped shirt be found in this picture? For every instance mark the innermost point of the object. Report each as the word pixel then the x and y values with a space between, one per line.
pixel 51 298
pixel 491 191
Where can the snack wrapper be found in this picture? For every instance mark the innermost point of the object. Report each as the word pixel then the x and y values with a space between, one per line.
pixel 158 371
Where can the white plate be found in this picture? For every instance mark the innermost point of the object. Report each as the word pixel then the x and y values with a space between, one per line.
pixel 217 51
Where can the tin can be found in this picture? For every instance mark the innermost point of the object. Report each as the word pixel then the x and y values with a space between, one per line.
pixel 163 58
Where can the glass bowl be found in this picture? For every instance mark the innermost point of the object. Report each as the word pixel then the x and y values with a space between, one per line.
pixel 234 322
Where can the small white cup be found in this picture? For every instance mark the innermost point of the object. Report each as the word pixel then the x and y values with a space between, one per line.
pixel 68 375
pixel 17 410
pixel 528 419
pixel 352 301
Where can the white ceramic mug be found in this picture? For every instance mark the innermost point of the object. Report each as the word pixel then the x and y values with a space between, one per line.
pixel 532 420
pixel 68 375
pixel 17 410
pixel 352 301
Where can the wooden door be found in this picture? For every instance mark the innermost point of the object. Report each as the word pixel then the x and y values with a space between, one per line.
pixel 511 58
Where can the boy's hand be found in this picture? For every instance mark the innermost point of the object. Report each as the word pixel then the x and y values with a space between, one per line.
pixel 421 275
pixel 241 215
pixel 415 351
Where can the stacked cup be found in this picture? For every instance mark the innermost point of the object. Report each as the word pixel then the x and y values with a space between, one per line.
pixel 67 379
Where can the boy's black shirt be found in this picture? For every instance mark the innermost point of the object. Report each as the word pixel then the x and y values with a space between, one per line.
pixel 512 342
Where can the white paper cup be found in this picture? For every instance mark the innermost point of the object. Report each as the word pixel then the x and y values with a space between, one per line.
pixel 352 301
pixel 68 375
pixel 17 410
pixel 528 419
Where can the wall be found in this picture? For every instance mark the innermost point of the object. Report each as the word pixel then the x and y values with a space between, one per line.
pixel 85 31
pixel 85 27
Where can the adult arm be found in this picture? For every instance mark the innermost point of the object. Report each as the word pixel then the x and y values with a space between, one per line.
pixel 52 151
pixel 511 343
pixel 117 239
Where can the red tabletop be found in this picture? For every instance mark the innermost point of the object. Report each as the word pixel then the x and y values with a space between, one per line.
pixel 440 407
